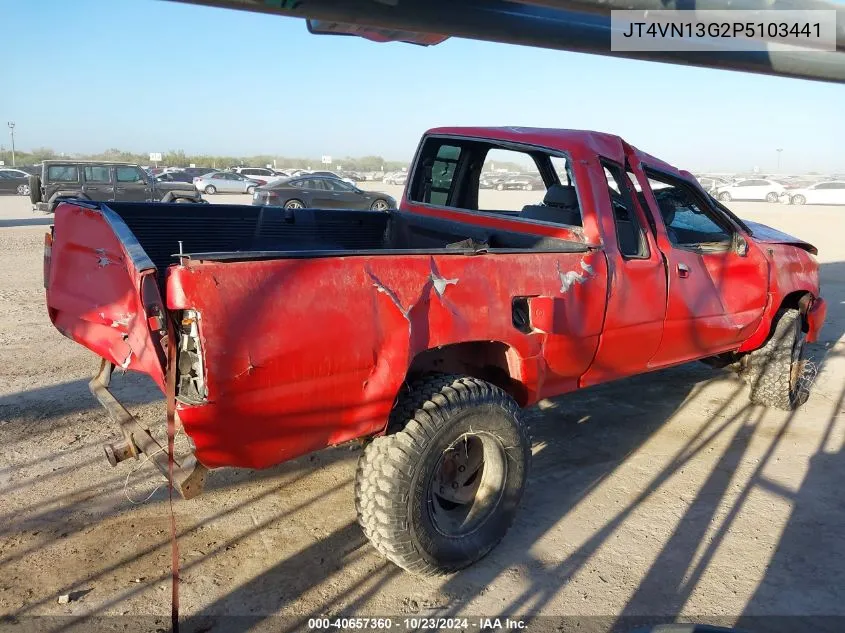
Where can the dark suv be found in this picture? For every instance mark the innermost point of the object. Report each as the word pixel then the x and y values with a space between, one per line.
pixel 102 182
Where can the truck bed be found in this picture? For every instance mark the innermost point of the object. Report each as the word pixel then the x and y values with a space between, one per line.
pixel 236 232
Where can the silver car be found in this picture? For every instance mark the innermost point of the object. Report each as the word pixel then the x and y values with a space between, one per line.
pixel 225 182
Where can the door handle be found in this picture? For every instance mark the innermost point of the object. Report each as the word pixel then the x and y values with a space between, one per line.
pixel 683 271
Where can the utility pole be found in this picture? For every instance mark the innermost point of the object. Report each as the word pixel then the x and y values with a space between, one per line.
pixel 11 125
pixel 779 151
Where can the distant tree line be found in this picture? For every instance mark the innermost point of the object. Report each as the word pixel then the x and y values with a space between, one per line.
pixel 178 158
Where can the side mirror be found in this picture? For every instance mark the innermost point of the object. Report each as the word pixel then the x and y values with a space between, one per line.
pixel 740 245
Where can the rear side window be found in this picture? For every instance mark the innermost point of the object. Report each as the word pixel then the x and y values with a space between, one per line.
pixel 62 173
pixel 97 174
pixel 629 231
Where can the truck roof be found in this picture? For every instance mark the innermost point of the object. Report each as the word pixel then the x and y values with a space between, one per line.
pixel 74 161
pixel 559 139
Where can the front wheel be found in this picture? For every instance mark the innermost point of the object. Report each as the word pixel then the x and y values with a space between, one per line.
pixel 250 190
pixel 441 489
pixel 23 190
pixel 799 199
pixel 724 197
pixel 500 187
pixel 771 197
pixel 379 205
pixel 211 190
pixel 776 373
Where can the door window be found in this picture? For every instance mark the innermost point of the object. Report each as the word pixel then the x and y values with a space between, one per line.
pixel 689 220
pixel 97 173
pixel 129 174
pixel 339 185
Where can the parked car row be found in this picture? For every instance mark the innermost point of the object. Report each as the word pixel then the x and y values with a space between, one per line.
pixel 802 192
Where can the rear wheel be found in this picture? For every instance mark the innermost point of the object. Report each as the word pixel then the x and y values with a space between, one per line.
pixel 441 489
pixel 379 205
pixel 771 197
pixel 500 187
pixel 23 190
pixel 294 204
pixel 529 187
pixel 210 190
pixel 725 196
pixel 776 371
pixel 798 199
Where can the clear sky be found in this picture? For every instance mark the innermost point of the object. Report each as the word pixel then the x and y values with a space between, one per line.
pixel 149 75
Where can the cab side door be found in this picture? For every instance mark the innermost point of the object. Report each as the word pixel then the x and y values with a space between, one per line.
pixel 131 184
pixel 98 182
pixel 636 304
pixel 717 281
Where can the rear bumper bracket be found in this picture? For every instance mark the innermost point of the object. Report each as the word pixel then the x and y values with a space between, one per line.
pixel 188 474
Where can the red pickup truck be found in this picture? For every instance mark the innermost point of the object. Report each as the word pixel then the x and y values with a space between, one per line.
pixel 425 330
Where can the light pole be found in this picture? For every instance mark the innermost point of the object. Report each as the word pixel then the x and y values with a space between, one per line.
pixel 779 151
pixel 11 125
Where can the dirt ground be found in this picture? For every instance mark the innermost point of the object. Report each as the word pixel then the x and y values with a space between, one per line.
pixel 665 495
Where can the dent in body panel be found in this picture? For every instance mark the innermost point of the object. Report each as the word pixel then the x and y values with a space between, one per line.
pixel 338 335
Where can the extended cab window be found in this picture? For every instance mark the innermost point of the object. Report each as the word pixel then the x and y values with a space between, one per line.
pixel 442 173
pixel 688 219
pixel 62 173
pixel 95 173
pixel 629 230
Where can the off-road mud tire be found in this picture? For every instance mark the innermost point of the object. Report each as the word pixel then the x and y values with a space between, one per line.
pixel 771 372
pixel 395 471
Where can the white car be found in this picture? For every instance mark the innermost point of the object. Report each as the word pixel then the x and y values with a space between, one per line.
pixel 819 193
pixel 259 173
pixel 751 189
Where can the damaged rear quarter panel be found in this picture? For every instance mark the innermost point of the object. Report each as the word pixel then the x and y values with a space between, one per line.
pixel 305 353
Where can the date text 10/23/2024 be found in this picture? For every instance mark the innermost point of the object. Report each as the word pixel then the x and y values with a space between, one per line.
pixel 417 623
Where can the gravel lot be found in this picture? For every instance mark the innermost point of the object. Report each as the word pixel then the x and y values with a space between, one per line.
pixel 662 495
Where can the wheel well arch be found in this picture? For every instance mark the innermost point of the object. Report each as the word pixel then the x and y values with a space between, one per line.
pixel 492 361
pixel 799 300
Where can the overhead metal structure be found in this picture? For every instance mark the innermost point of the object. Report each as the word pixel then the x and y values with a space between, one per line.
pixel 571 25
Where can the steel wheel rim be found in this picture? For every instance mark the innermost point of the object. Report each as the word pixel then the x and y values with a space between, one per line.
pixel 467 484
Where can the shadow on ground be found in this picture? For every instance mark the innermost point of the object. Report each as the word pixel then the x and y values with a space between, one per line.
pixel 581 439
